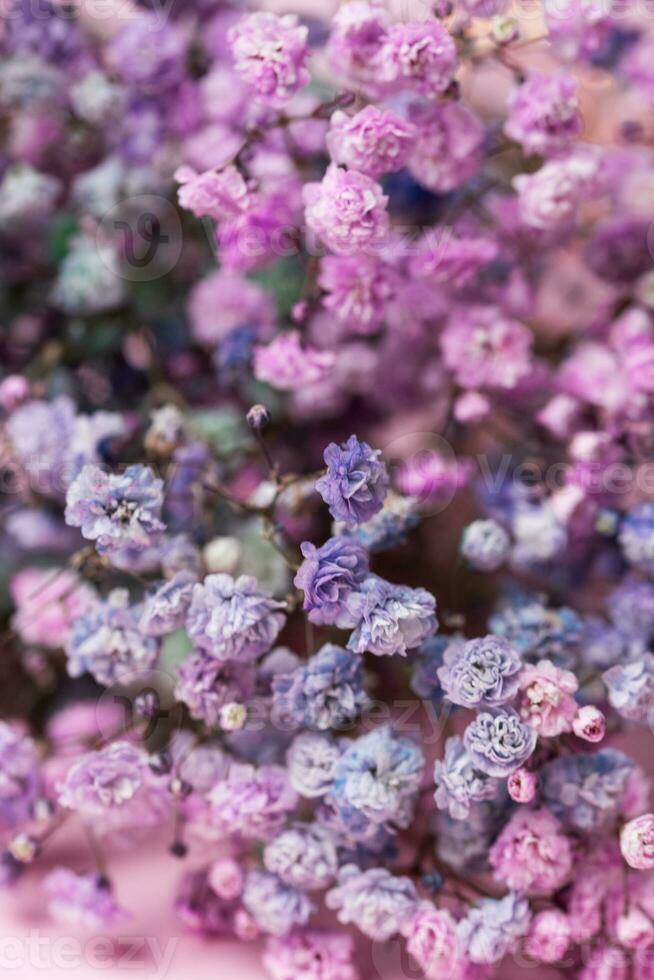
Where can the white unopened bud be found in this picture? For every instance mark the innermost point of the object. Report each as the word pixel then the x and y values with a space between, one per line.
pixel 222 555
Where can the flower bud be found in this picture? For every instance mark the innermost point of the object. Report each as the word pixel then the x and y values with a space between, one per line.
pixel 258 417
pixel 521 785
pixel 589 723
pixel 634 929
pixel 637 842
pixel 226 878
pixel 233 716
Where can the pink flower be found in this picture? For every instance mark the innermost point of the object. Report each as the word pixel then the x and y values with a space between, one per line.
pixel 226 878
pixel 14 389
pixel 374 141
pixel 311 954
pixel 549 936
pixel 544 114
pixel 549 198
pixel 358 31
pixel 605 963
pixel 532 855
pixel 420 56
pixel 432 942
pixel 589 723
pixel 224 301
pixel 637 842
pixel 484 348
pixel 448 150
pixel 545 699
pixel 347 210
pixel 217 195
pixel 286 364
pixel 522 785
pixel 357 290
pixel 634 929
pixel 48 601
pixel 270 52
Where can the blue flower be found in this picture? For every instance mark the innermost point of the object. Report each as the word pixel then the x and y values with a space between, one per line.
pixel 377 902
pixel 631 688
pixel 391 618
pixel 458 783
pixel 481 671
pixel 327 692
pixel 355 483
pixel 275 906
pixel 636 537
pixel 492 927
pixel 498 742
pixel 539 633
pixel 328 575
pixel 585 791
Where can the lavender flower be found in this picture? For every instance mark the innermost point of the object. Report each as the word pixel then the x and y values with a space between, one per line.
pixel 20 776
pixel 311 954
pixel 458 783
pixel 108 642
pixel 637 537
pixel 356 481
pixel 327 576
pixel 116 510
pixel 311 762
pixel 493 926
pixel 81 900
pixel 206 685
pixel 304 856
pixel 391 618
pixel 585 791
pixel 498 743
pixel 165 610
pixel 231 619
pixel 149 55
pixel 275 906
pixel 378 903
pixel 485 545
pixel 326 693
pixel 376 780
pixel 481 672
pixel 252 802
pixel 539 633
pixel 631 688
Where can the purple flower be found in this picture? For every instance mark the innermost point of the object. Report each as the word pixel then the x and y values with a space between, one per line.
pixel 458 783
pixel 311 954
pixel 356 482
pixel 304 856
pixel 392 618
pixel 165 610
pixel 585 791
pixel 346 210
pixel 328 576
pixel 485 349
pixel 311 762
pixel 548 199
pixel 419 56
pixel 252 802
pixel 543 114
pixel 325 693
pixel 448 151
pixel 116 510
pixel 484 671
pixel 497 743
pixel 275 906
pixel 270 52
pixel 215 194
pixel 357 290
pixel 20 778
pixel 493 926
pixel 231 619
pixel 149 55
pixel 108 642
pixel 205 685
pixel 358 31
pixel 485 545
pixel 377 779
pixel 378 903
pixel 81 900
pixel 637 537
pixel 631 688
pixel 373 141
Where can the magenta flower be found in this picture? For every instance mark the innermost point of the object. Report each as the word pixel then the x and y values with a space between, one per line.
pixel 214 194
pixel 346 210
pixel 271 52
pixel 637 842
pixel 546 700
pixel 419 56
pixel 287 364
pixel 532 854
pixel 374 141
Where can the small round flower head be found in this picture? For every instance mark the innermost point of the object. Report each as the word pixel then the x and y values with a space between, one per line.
pixel 275 906
pixel 589 723
pixel 493 926
pixel 548 199
pixel 605 961
pixel 232 619
pixel 287 364
pixel 637 842
pixel 549 936
pixel 225 878
pixel 458 784
pixel 637 537
pixel 630 688
pixel 270 52
pixel 303 855
pixel 485 545
pixel 484 671
pixel 432 941
pixel 116 510
pixel 222 302
pixel 486 349
pixel 81 900
pixel 522 785
pixel 373 141
pixel 20 777
pixel 206 685
pixel 356 481
pixel 27 198
pixel 47 603
pixel 311 762
pixel 311 954
pixel 543 114
pixel 586 791
pixel 546 700
pixel 148 54
pixel 357 290
pixel 375 901
pixel 392 619
pixel 358 30
pixel 327 576
pixel 498 743
pixel 377 779
pixel 532 855
pixel 346 210
pixel 108 643
pixel 418 56
pixel 325 693
pixel 634 929
pixel 448 150
pixel 215 194
pixel 252 802
pixel 165 609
